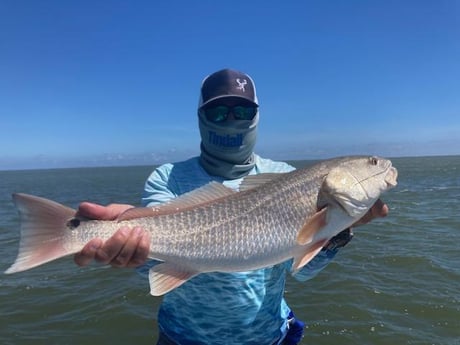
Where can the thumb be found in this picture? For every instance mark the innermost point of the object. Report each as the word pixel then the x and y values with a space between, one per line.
pixel 96 211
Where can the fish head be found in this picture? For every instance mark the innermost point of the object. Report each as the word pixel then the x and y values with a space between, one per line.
pixel 356 183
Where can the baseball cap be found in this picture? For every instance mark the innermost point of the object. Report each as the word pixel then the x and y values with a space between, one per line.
pixel 227 83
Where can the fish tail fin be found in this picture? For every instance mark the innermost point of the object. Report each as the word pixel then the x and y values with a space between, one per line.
pixel 43 227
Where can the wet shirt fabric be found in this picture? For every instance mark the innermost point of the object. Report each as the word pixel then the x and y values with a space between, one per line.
pixel 223 308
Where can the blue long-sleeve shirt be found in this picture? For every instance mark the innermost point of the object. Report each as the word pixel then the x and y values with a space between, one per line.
pixel 224 308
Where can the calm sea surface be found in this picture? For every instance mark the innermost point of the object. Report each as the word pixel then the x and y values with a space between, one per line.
pixel 398 282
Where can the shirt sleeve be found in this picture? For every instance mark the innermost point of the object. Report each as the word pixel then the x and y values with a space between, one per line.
pixel 157 188
pixel 316 265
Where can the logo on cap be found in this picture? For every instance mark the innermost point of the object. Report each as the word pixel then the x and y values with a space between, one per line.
pixel 241 84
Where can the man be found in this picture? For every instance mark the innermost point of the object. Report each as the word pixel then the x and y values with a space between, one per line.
pixel 216 308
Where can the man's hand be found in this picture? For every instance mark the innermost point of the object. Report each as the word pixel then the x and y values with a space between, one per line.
pixel 126 248
pixel 378 210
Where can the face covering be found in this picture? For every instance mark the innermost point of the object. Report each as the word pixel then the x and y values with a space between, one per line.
pixel 227 149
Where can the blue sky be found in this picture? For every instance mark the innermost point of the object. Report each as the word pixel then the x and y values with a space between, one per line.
pixel 117 82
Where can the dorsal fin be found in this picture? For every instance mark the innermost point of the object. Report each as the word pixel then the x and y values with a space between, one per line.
pixel 253 181
pixel 204 195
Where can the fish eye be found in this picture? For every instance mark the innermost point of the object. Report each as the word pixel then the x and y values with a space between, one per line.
pixel 373 160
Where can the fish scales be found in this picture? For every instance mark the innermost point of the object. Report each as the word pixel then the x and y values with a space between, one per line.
pixel 266 218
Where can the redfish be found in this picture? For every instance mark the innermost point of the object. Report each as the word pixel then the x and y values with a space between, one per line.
pixel 271 219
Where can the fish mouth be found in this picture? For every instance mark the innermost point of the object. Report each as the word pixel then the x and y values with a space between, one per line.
pixel 391 177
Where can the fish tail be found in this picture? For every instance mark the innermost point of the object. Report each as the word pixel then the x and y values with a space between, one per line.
pixel 43 227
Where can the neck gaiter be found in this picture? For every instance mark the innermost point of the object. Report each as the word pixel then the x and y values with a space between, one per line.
pixel 227 149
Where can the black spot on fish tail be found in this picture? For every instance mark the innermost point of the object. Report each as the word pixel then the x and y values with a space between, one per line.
pixel 73 223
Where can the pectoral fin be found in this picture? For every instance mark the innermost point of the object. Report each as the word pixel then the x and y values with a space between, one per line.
pixel 309 254
pixel 312 227
pixel 165 277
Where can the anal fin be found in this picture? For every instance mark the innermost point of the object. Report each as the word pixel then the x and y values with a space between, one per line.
pixel 165 277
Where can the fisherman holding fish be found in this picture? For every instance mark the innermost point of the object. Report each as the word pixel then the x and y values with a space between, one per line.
pixel 216 307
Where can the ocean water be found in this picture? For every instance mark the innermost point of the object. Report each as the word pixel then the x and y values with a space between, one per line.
pixel 397 282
